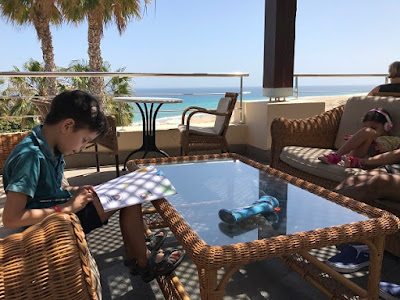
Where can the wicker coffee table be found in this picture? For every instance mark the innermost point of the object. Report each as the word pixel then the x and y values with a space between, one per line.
pixel 311 217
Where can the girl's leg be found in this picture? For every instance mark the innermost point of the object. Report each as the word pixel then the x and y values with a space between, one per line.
pixel 359 143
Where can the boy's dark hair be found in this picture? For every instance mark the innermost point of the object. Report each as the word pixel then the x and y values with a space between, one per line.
pixel 376 116
pixel 80 106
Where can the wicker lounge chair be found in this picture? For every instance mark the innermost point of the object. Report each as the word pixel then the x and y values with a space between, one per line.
pixel 108 141
pixel 49 260
pixel 199 138
pixel 296 144
pixel 387 94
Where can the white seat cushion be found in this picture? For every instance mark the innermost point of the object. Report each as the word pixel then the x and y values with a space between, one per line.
pixel 197 130
pixel 306 159
pixel 223 106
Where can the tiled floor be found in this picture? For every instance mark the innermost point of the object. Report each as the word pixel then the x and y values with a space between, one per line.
pixel 269 279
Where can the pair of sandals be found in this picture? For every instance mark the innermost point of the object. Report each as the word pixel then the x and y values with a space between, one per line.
pixel 333 159
pixel 155 267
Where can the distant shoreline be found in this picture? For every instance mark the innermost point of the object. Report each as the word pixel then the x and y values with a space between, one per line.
pixel 206 120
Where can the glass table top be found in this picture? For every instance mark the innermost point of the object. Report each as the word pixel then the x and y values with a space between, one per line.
pixel 206 187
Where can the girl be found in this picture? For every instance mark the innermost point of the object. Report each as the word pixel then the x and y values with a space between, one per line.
pixel 375 133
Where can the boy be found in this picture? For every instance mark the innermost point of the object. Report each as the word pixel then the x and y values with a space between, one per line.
pixel 33 173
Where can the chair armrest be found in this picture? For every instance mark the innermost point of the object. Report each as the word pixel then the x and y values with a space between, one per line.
pixel 199 110
pixel 318 131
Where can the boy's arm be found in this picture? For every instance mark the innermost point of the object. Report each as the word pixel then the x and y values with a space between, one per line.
pixel 15 214
pixel 75 190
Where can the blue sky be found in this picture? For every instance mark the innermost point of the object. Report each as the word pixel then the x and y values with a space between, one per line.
pixel 357 36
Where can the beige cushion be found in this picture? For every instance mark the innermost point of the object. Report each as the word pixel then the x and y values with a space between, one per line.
pixel 223 106
pixel 197 130
pixel 355 109
pixel 306 159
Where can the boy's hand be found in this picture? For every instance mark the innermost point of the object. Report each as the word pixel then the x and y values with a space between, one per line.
pixel 84 195
pixel 75 190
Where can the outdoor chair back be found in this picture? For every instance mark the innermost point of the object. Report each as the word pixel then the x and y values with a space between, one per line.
pixel 49 260
pixel 387 94
pixel 8 141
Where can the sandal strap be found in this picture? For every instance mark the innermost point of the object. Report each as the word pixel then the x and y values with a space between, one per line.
pixel 333 158
pixel 352 162
pixel 155 240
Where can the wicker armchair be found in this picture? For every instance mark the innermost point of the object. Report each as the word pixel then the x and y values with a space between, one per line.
pixel 387 94
pixel 49 260
pixel 320 132
pixel 108 141
pixel 198 138
pixel 8 141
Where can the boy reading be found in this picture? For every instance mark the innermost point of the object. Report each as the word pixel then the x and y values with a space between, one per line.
pixel 32 178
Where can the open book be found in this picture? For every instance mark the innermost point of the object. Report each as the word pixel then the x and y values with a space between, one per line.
pixel 142 185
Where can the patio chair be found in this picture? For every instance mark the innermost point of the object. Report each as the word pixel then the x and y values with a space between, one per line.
pixel 387 94
pixel 49 260
pixel 109 140
pixel 199 138
pixel 8 141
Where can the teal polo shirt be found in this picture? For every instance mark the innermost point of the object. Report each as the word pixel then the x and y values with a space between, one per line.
pixel 33 170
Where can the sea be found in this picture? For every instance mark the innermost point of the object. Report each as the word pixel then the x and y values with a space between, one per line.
pixel 208 97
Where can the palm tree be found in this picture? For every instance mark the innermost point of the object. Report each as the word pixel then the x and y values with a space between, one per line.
pixel 19 92
pixel 113 87
pixel 99 13
pixel 39 13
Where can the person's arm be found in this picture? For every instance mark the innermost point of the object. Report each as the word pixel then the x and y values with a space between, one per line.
pixel 75 190
pixel 15 214
pixel 388 158
pixel 374 90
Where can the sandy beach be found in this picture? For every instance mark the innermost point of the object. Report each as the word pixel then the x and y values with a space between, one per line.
pixel 207 120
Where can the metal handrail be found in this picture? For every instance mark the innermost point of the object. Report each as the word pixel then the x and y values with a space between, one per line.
pixel 117 74
pixel 296 78
pixel 129 74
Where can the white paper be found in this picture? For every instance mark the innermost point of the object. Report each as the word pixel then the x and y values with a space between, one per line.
pixel 142 185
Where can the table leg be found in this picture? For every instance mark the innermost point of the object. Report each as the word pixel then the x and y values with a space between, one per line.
pixel 208 285
pixel 376 247
pixel 210 288
pixel 148 132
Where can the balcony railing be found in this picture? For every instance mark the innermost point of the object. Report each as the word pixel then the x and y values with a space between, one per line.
pixel 297 76
pixel 135 75
pixel 240 76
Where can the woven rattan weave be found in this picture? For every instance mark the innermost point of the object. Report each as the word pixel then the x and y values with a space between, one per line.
pixel 8 141
pixel 49 260
pixel 192 141
pixel 209 259
pixel 317 132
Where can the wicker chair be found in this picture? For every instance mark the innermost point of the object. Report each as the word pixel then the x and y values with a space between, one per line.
pixel 49 260
pixel 198 138
pixel 319 132
pixel 387 94
pixel 109 140
pixel 8 141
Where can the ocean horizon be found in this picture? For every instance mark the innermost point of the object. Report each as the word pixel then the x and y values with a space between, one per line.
pixel 203 98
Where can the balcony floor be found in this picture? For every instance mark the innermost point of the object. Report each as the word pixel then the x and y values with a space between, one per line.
pixel 269 279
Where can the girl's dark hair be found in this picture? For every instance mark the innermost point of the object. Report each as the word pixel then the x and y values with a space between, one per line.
pixel 80 106
pixel 374 115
